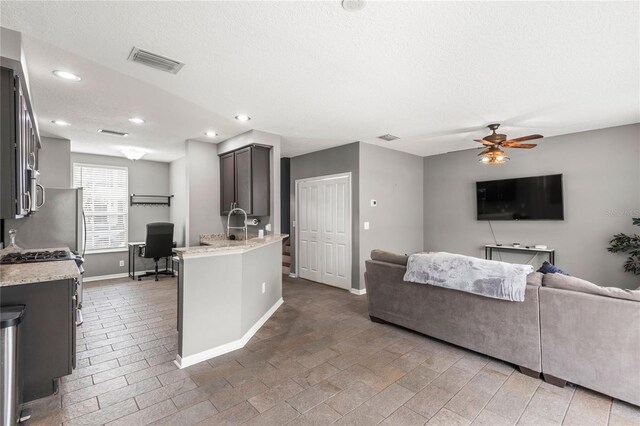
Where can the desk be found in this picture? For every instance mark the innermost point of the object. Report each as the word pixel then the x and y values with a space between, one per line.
pixel 133 247
pixel 489 248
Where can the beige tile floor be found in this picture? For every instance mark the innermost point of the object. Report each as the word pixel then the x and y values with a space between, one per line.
pixel 319 360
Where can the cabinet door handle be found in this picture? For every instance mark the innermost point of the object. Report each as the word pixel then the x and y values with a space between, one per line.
pixel 27 196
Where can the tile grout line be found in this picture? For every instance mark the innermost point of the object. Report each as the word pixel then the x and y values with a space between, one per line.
pixel 493 395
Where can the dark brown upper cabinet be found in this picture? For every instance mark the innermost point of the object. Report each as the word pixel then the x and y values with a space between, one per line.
pixel 19 147
pixel 245 175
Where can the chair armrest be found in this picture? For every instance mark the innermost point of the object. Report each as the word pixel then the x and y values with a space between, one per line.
pixel 141 250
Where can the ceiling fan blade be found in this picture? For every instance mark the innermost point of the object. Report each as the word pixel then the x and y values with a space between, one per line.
pixel 485 151
pixel 483 142
pixel 525 138
pixel 519 145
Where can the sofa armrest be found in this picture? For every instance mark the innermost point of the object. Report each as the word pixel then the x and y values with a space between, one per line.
pixel 592 341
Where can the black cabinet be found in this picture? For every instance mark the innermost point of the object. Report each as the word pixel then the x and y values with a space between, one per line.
pixel 19 147
pixel 245 176
pixel 47 333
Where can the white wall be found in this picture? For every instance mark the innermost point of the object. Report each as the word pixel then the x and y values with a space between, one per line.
pixel 179 210
pixel 395 180
pixel 601 178
pixel 203 186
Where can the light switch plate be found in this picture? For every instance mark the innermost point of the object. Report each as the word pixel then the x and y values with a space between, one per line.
pixel 264 287
pixel 366 225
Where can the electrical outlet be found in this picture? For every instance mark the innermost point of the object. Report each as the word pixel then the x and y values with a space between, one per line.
pixel 264 287
pixel 366 225
pixel 122 263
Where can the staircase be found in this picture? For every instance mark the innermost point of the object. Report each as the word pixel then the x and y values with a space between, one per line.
pixel 286 256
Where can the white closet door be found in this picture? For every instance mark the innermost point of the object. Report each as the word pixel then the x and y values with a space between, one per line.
pixel 323 248
pixel 336 233
pixel 309 254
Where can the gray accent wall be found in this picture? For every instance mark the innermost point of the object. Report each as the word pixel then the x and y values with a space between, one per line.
pixel 331 161
pixel 394 180
pixel 55 163
pixel 145 177
pixel 601 179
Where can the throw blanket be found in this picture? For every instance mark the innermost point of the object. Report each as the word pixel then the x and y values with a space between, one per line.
pixel 488 278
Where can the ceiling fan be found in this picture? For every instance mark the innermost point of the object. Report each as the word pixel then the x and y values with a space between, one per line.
pixel 493 153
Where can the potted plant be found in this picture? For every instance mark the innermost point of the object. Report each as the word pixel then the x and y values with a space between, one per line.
pixel 623 243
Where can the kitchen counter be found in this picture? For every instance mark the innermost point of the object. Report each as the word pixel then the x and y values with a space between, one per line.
pixel 215 245
pixel 27 273
pixel 227 289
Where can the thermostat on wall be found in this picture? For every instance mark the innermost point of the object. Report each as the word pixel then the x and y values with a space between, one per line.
pixel 374 203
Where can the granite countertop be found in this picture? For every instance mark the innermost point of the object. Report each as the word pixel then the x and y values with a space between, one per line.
pixel 215 244
pixel 28 273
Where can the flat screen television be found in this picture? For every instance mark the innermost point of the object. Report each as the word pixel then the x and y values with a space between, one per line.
pixel 529 198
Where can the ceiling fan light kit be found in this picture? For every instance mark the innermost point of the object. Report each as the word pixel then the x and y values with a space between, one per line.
pixel 493 144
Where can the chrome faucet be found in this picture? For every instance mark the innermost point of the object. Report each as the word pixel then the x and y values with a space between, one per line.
pixel 237 209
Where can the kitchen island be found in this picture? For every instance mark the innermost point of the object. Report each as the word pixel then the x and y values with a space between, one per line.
pixel 226 291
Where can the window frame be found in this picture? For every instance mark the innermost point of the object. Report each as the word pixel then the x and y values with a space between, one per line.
pixel 126 204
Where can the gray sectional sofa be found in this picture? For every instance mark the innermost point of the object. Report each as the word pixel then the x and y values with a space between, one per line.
pixel 592 340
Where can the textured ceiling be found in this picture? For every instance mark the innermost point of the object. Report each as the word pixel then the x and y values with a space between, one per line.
pixel 432 73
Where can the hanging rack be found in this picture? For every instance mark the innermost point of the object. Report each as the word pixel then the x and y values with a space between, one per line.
pixel 145 200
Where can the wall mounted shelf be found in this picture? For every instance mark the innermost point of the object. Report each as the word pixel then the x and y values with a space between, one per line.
pixel 150 200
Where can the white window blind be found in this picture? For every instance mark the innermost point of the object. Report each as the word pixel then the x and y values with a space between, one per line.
pixel 105 203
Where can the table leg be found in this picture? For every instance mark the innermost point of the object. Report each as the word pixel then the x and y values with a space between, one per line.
pixel 129 266
pixel 133 261
pixel 552 258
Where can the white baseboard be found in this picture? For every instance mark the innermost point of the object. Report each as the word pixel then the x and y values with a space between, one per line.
pixel 358 292
pixel 227 347
pixel 293 275
pixel 112 276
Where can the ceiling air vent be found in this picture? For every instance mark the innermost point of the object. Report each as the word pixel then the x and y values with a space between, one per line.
pixel 112 132
pixel 154 60
pixel 388 137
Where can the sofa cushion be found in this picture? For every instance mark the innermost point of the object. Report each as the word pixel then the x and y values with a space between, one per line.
pixel 566 282
pixel 535 278
pixel 549 268
pixel 386 256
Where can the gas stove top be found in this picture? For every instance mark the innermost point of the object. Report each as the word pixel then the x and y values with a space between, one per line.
pixel 35 256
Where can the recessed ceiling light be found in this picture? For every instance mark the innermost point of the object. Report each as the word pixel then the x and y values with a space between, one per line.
pixel 210 134
pixel 243 117
pixel 60 123
pixel 353 5
pixel 136 120
pixel 133 154
pixel 66 75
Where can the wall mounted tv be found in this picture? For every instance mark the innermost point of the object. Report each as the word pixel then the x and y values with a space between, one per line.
pixel 529 198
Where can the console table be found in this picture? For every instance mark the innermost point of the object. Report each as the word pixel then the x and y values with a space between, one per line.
pixel 489 248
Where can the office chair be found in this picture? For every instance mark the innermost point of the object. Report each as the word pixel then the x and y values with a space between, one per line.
pixel 158 245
